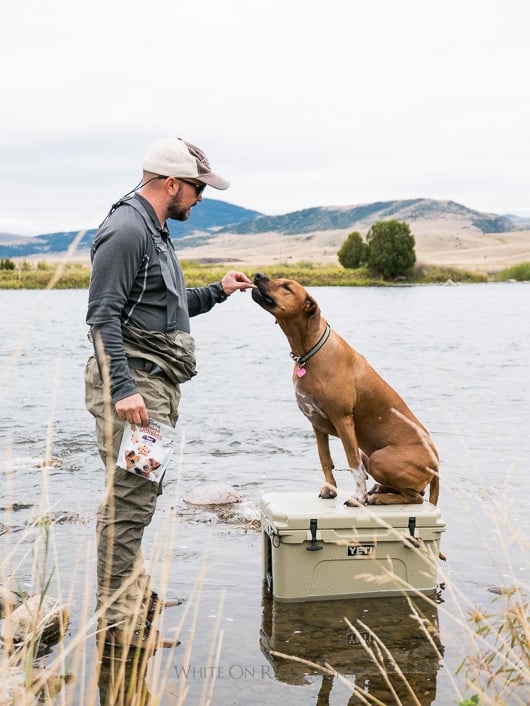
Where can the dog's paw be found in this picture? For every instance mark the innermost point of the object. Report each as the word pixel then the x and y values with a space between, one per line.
pixel 328 492
pixel 378 488
pixel 356 501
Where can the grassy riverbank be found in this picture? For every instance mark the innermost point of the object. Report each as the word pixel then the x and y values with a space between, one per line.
pixel 44 275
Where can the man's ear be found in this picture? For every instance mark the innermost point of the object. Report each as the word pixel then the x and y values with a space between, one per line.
pixel 313 314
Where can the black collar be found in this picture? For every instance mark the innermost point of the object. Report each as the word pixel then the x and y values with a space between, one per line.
pixel 301 360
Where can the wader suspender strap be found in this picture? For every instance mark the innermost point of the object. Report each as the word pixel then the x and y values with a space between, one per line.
pixel 171 272
pixel 169 275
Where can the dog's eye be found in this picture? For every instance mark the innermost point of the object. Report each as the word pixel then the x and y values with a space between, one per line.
pixel 287 287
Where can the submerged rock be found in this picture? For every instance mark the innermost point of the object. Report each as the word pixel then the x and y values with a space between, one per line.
pixel 213 494
pixel 60 518
pixel 39 617
pixel 15 690
pixel 9 600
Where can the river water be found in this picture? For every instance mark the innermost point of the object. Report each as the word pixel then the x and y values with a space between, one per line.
pixel 460 357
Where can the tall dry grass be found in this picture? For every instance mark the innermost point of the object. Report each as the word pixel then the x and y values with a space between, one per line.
pixel 494 672
pixel 70 668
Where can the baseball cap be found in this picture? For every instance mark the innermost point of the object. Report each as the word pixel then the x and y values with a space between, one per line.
pixel 177 158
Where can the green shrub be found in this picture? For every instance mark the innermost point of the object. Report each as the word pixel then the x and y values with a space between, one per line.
pixel 353 251
pixel 520 272
pixel 390 248
pixel 7 264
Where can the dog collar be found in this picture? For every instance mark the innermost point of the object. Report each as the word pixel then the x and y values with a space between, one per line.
pixel 301 360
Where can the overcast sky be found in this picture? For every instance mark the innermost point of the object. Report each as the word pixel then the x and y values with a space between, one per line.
pixel 298 103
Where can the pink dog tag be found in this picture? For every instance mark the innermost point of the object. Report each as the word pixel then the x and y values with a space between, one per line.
pixel 300 372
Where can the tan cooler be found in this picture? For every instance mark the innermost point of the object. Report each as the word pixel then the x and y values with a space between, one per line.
pixel 320 549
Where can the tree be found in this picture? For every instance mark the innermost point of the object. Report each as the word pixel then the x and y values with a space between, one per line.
pixel 7 264
pixel 352 252
pixel 390 248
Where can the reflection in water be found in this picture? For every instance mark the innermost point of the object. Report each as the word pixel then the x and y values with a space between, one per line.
pixel 122 682
pixel 392 635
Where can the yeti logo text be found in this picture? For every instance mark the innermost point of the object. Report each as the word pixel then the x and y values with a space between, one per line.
pixel 361 550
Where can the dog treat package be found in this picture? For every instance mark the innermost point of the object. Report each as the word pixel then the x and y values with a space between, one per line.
pixel 147 450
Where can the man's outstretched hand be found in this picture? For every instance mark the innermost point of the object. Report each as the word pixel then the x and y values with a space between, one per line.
pixel 236 280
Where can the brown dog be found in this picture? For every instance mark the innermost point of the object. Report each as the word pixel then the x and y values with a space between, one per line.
pixel 342 395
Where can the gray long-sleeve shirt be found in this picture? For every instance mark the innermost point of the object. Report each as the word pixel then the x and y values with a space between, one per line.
pixel 128 286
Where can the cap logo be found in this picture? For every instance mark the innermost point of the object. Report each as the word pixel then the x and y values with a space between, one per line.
pixel 203 166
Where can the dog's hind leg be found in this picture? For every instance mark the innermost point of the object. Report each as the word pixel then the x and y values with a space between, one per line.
pixel 329 489
pixel 401 474
pixel 406 497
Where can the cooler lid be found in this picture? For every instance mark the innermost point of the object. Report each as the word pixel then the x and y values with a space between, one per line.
pixel 293 511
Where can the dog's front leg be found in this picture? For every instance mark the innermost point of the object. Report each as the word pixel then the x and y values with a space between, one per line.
pixel 360 494
pixel 329 489
pixel 346 431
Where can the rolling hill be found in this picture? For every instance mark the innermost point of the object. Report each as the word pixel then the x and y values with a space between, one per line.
pixel 446 232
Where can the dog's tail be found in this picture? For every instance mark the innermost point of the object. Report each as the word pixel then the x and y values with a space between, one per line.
pixel 434 492
pixel 434 487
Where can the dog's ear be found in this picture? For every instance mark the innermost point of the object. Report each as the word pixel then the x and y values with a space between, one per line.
pixel 313 313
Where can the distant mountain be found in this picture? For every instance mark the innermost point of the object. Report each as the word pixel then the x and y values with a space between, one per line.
pixel 49 244
pixel 215 218
pixel 311 220
pixel 209 218
pixel 520 222
pixel 10 238
pixel 212 214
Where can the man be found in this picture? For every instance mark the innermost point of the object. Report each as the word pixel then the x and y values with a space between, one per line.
pixel 138 313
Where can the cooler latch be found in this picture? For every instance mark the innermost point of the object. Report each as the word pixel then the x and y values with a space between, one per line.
pixel 411 540
pixel 313 546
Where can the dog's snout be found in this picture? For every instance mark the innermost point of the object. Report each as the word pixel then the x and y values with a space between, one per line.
pixel 261 293
pixel 260 277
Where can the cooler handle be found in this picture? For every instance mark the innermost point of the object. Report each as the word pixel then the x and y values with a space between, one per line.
pixel 412 529
pixel 313 546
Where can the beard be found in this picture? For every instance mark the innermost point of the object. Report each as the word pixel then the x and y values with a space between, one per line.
pixel 176 211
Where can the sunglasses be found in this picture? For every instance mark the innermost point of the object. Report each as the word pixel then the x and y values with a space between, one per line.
pixel 199 188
